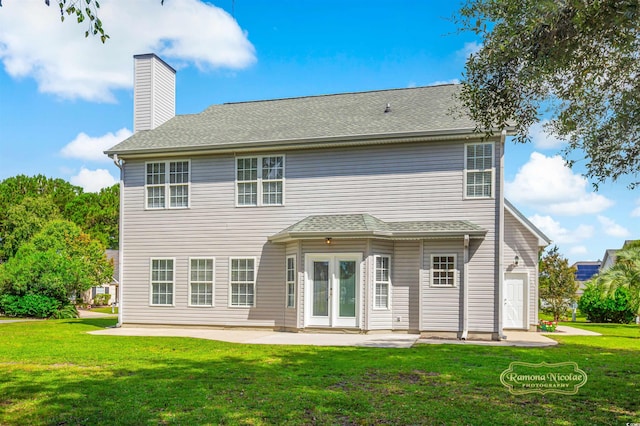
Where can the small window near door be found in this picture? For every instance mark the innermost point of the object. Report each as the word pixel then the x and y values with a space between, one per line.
pixel 443 270
pixel 383 282
pixel 291 282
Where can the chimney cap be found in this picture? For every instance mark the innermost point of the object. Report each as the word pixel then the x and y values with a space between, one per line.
pixel 153 55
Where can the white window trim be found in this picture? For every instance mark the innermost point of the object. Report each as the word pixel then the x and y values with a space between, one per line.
pixel 456 272
pixel 294 282
pixel 167 185
pixel 259 181
pixel 492 170
pixel 213 282
pixel 255 279
pixel 173 283
pixel 375 284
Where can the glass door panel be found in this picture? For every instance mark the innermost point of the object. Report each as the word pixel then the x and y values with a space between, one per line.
pixel 347 288
pixel 321 289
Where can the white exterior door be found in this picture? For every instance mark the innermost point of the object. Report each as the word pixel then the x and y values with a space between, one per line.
pixel 515 287
pixel 332 290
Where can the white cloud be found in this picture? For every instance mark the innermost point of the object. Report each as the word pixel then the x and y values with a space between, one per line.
pixel 558 234
pixel 611 228
pixel 469 49
pixel 578 250
pixel 542 139
pixel 636 212
pixel 548 185
pixel 35 44
pixel 93 180
pixel 89 148
pixel 441 82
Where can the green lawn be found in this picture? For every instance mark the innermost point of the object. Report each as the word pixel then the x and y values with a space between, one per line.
pixel 53 373
pixel 105 310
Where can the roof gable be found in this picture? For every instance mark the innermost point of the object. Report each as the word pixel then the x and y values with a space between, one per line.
pixel 543 240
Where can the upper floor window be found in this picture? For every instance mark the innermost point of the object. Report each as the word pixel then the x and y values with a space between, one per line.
pixel 383 282
pixel 479 170
pixel 443 270
pixel 260 181
pixel 167 184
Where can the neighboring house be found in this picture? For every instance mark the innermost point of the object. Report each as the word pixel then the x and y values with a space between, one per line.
pixel 110 288
pixel 610 255
pixel 358 211
pixel 585 270
pixel 609 259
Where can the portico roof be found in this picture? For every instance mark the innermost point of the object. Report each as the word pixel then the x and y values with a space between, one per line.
pixel 367 226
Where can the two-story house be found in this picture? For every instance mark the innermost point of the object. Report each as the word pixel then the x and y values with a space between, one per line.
pixel 356 211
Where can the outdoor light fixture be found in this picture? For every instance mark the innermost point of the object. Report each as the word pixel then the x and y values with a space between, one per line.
pixel 328 240
pixel 516 260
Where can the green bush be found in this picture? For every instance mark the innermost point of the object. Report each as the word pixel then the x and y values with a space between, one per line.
pixel 101 299
pixel 600 307
pixel 29 305
pixel 66 312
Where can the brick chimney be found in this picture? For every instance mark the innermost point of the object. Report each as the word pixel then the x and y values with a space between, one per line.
pixel 154 92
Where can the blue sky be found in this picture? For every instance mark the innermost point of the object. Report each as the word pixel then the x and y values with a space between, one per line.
pixel 64 98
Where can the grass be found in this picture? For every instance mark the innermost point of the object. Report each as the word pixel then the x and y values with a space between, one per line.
pixel 54 373
pixel 105 310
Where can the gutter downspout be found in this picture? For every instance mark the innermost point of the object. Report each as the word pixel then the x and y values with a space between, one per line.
pixel 119 164
pixel 465 290
pixel 501 336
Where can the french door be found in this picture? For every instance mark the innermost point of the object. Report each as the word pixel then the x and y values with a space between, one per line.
pixel 332 292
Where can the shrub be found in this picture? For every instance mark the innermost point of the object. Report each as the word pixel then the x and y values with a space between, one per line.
pixel 66 312
pixel 101 299
pixel 600 307
pixel 29 305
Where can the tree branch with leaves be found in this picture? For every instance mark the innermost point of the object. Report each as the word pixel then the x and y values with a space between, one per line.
pixel 84 11
pixel 576 60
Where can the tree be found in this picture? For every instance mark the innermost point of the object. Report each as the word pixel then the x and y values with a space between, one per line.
pixel 59 262
pixel 576 58
pixel 625 274
pixel 97 214
pixel 557 284
pixel 14 190
pixel 24 220
pixel 83 10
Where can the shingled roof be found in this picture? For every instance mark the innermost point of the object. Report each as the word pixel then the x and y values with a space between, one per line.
pixel 296 122
pixel 367 226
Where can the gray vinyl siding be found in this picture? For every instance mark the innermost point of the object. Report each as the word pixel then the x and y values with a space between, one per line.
pixel 406 285
pixel 442 306
pixel 393 182
pixel 154 93
pixel 521 242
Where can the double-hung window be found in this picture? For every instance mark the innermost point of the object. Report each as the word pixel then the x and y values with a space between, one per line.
pixel 201 282
pixel 479 170
pixel 260 181
pixel 443 270
pixel 382 282
pixel 291 282
pixel 162 279
pixel 167 184
pixel 243 282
